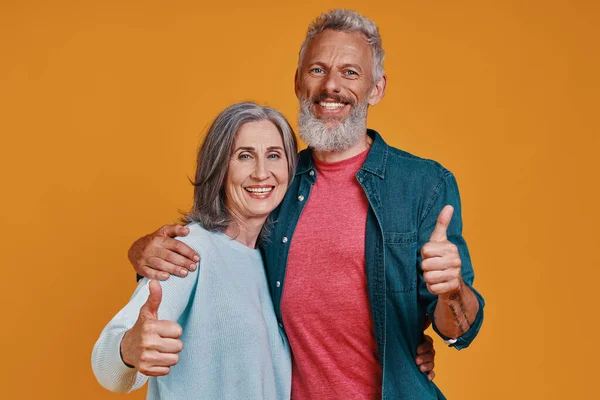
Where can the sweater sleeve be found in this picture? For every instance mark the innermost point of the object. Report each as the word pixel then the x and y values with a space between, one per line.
pixel 109 369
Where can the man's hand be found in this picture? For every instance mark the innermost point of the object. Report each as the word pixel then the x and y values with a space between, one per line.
pixel 457 305
pixel 441 261
pixel 426 357
pixel 157 255
pixel 151 345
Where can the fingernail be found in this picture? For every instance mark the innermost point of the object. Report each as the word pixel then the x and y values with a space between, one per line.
pixel 164 276
pixel 183 272
pixel 193 267
pixel 196 258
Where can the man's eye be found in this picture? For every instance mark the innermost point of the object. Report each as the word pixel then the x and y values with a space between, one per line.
pixel 350 72
pixel 317 70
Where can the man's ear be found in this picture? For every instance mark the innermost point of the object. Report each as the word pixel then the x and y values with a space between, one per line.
pixel 296 84
pixel 378 91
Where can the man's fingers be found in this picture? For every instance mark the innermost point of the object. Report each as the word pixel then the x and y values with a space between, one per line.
pixel 436 277
pixel 426 346
pixel 439 232
pixel 431 375
pixel 151 273
pixel 438 249
pixel 441 263
pixel 161 265
pixel 173 256
pixel 150 309
pixel 425 358
pixel 426 367
pixel 173 230
pixel 183 250
pixel 444 287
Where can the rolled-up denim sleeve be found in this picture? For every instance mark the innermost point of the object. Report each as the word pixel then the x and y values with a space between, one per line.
pixel 446 193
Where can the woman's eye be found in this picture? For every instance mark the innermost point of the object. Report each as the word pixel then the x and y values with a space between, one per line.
pixel 244 156
pixel 274 156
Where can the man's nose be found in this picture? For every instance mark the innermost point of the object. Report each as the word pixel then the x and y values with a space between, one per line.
pixel 332 83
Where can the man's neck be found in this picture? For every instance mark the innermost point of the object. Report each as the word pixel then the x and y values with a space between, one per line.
pixel 333 156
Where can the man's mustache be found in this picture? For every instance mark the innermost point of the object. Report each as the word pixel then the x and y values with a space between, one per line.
pixel 336 97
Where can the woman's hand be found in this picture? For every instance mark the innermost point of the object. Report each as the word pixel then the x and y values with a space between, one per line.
pixel 152 346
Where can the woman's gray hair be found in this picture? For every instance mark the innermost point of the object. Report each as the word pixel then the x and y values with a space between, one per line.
pixel 209 208
pixel 348 21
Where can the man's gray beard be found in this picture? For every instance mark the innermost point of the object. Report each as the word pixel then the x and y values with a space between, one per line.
pixel 342 136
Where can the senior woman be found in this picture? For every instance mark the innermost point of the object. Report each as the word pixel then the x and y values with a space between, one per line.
pixel 222 311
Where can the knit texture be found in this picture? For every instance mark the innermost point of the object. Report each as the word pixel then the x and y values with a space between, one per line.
pixel 233 347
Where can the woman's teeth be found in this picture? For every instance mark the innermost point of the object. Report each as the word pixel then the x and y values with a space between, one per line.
pixel 259 190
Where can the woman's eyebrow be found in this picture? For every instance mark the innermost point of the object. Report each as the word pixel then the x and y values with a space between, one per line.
pixel 245 148
pixel 249 148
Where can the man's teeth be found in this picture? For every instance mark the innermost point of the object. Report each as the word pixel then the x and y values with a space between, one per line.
pixel 331 106
pixel 259 190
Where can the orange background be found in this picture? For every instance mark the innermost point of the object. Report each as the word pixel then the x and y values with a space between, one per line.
pixel 101 109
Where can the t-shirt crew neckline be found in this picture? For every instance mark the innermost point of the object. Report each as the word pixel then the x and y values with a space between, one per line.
pixel 342 164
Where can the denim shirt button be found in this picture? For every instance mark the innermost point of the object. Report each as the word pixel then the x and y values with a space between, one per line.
pixel 311 173
pixel 284 240
pixel 277 283
pixel 300 198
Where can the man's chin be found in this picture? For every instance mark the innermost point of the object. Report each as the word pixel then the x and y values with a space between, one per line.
pixel 330 122
pixel 331 125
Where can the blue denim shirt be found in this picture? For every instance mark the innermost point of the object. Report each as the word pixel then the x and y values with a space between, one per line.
pixel 405 195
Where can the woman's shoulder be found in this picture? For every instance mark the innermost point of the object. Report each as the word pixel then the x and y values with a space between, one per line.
pixel 200 239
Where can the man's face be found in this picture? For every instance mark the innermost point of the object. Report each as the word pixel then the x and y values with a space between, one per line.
pixel 335 85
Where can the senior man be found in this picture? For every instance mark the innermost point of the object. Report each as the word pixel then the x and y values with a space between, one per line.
pixel 367 245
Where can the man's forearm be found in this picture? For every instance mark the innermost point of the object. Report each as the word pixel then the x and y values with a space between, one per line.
pixel 454 313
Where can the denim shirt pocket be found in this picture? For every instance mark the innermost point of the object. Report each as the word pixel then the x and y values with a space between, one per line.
pixel 400 261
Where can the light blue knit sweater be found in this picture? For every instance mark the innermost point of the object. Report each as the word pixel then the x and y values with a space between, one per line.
pixel 232 345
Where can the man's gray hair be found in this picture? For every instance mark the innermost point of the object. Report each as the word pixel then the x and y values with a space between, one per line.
pixel 348 21
pixel 209 208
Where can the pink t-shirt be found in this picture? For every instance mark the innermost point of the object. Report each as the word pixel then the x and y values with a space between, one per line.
pixel 325 306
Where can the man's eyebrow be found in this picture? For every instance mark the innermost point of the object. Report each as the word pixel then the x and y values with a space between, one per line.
pixel 343 66
pixel 355 66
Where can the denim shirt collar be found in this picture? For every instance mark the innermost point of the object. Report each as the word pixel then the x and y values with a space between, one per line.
pixel 374 164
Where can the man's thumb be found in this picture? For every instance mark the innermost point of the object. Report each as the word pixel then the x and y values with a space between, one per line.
pixel 150 308
pixel 439 232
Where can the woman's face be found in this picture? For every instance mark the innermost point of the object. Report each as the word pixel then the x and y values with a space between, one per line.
pixel 257 177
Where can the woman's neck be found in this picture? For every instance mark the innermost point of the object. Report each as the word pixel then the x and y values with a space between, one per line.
pixel 246 232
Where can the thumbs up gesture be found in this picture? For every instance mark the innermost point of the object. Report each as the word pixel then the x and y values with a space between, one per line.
pixel 441 260
pixel 152 346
